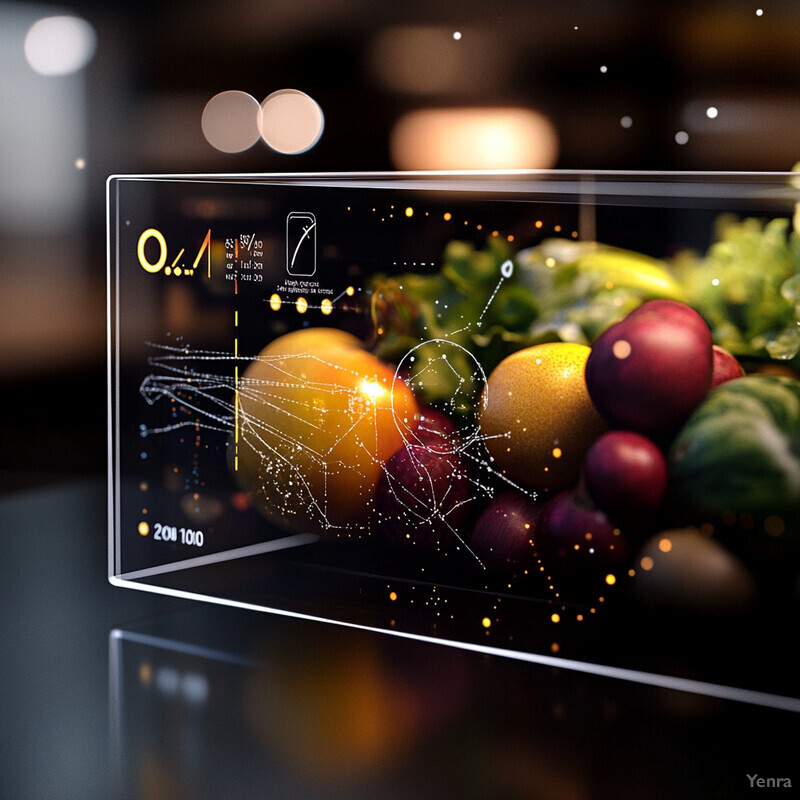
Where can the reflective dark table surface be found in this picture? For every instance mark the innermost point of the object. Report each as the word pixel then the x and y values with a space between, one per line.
pixel 112 693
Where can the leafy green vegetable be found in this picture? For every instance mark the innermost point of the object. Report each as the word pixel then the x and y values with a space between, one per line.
pixel 747 287
pixel 739 452
pixel 470 302
pixel 584 287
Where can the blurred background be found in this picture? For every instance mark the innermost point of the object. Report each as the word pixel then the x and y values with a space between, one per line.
pixel 90 89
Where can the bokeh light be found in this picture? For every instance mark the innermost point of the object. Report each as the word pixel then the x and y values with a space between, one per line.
pixel 416 59
pixel 291 121
pixel 474 138
pixel 433 60
pixel 230 121
pixel 59 45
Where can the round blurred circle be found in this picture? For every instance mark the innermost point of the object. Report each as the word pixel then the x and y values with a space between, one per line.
pixel 230 121
pixel 59 45
pixel 291 121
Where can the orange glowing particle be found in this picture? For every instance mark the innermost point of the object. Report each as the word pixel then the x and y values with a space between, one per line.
pixel 646 563
pixel 611 579
pixel 621 349
pixel 557 452
pixel 409 212
pixel 447 216
pixel 393 596
pixel 555 618
pixel 774 525
pixel 145 673
pixel 144 528
pixel 486 622
pixel 665 545
pixel 538 223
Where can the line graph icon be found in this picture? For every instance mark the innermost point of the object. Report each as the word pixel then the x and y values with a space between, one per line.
pixel 301 243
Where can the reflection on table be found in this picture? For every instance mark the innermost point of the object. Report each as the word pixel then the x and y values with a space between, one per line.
pixel 218 703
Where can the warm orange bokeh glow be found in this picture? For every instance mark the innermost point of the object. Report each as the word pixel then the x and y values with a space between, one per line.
pixel 474 138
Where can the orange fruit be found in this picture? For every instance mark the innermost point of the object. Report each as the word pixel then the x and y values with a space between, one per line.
pixel 537 418
pixel 317 418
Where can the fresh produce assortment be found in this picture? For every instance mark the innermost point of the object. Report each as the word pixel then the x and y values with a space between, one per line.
pixel 627 428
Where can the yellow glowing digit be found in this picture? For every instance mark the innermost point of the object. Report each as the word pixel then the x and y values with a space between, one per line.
pixel 205 247
pixel 152 233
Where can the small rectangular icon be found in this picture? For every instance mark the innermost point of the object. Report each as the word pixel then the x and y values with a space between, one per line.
pixel 301 243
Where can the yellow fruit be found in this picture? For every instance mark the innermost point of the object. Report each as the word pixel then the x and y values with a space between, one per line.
pixel 317 417
pixel 537 418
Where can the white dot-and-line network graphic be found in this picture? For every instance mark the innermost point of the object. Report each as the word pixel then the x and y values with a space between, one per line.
pixel 299 449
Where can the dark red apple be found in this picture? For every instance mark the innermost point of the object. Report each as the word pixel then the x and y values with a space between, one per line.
pixel 423 498
pixel 577 543
pixel 625 473
pixel 503 535
pixel 726 367
pixel 649 371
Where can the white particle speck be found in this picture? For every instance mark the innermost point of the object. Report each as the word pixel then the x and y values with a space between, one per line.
pixel 711 112
pixel 604 68
pixel 457 35
pixel 626 122
pixel 715 282
pixel 681 137
pixel 759 12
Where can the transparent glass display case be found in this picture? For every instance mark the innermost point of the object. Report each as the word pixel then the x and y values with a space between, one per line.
pixel 553 416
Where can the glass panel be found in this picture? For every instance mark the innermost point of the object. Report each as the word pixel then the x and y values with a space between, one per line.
pixel 389 401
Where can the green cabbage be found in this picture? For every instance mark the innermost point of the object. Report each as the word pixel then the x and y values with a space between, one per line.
pixel 739 454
